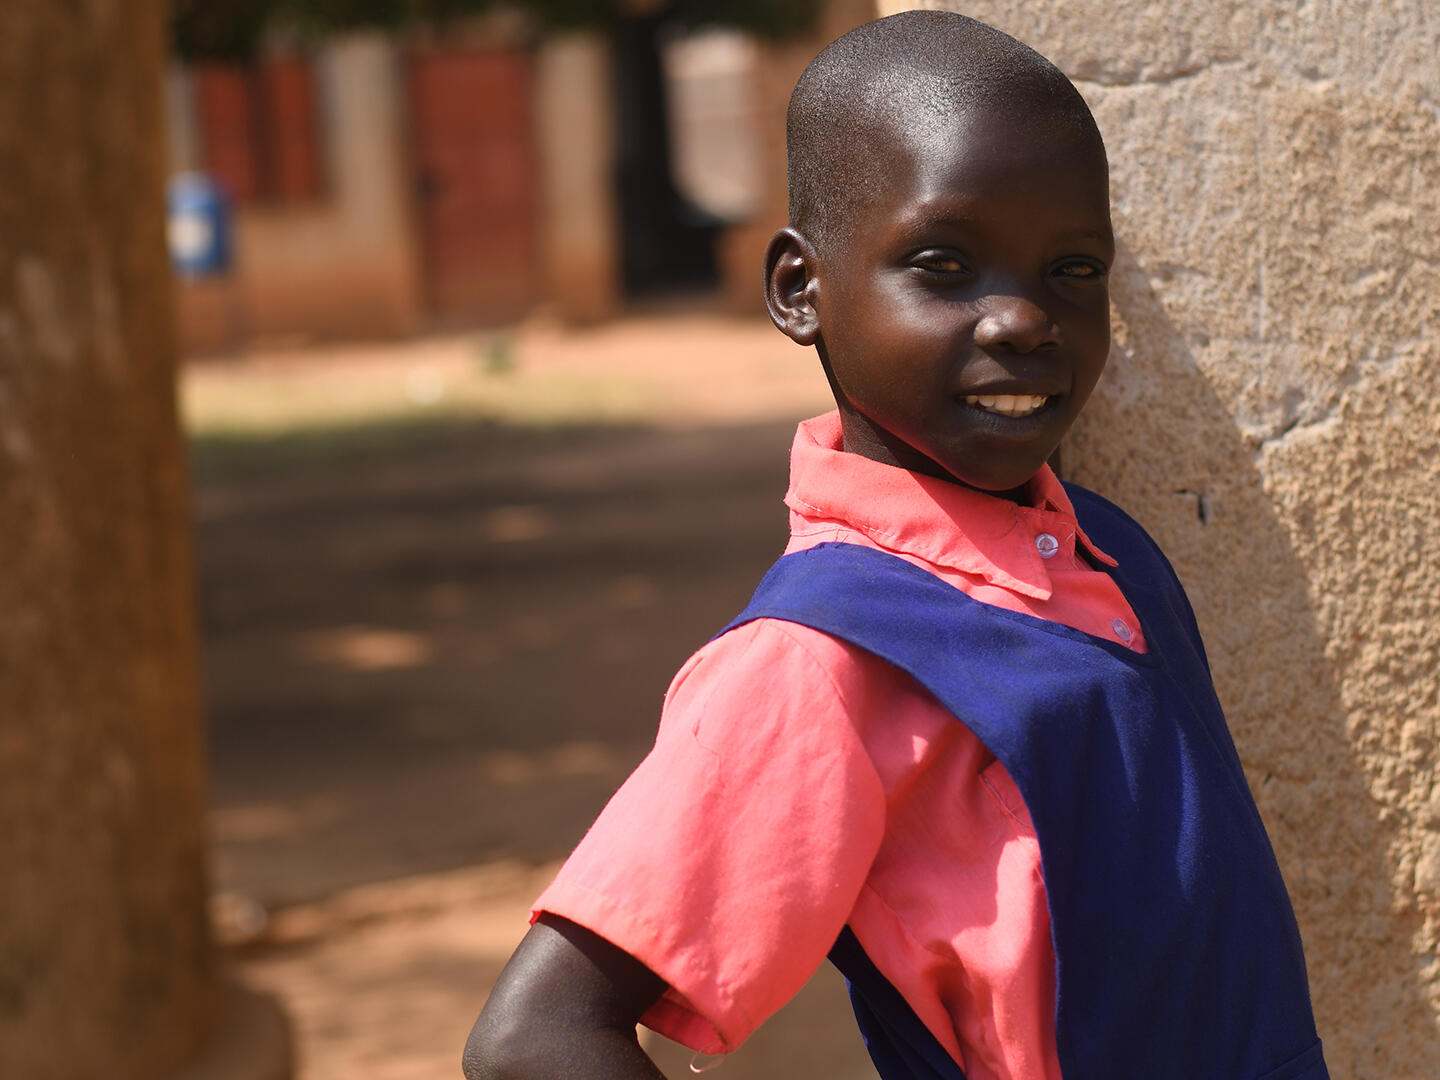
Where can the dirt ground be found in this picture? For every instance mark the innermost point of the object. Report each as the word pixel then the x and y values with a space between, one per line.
pixel 443 585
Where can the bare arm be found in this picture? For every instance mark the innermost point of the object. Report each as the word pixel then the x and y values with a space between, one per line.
pixel 566 1006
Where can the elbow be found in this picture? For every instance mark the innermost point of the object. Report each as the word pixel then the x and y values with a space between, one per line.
pixel 499 1050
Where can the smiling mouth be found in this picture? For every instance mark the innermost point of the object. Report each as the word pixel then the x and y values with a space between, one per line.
pixel 1007 404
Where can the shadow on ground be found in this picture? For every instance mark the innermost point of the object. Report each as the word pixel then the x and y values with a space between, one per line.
pixel 424 654
pixel 431 654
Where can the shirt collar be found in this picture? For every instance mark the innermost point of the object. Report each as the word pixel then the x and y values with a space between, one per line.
pixel 938 521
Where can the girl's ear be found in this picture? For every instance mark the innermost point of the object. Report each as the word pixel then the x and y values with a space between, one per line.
pixel 790 286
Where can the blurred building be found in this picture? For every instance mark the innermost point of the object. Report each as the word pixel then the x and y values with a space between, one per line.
pixel 386 185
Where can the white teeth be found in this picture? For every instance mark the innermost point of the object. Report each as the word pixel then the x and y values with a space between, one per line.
pixel 1007 404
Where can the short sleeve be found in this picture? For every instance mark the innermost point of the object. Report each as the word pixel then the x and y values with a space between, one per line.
pixel 731 858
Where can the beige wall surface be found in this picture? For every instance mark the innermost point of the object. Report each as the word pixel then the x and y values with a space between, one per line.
pixel 1270 413
pixel 580 245
pixel 349 265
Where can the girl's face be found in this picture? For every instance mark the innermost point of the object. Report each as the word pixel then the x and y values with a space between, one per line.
pixel 965 318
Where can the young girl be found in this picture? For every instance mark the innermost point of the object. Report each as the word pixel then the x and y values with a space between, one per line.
pixel 964 739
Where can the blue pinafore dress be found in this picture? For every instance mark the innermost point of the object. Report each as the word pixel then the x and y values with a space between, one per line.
pixel 1176 950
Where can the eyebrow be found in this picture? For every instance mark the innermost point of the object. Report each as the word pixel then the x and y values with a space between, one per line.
pixel 933 217
pixel 1107 237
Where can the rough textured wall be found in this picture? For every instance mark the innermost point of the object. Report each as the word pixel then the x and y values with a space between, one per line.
pixel 104 962
pixel 1270 414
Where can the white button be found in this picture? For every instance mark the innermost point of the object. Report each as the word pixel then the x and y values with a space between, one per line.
pixel 1122 631
pixel 1047 545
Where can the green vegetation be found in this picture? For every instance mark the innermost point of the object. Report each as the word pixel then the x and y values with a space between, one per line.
pixel 238 453
pixel 246 420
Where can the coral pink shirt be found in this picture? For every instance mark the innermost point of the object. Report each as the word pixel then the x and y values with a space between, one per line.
pixel 798 784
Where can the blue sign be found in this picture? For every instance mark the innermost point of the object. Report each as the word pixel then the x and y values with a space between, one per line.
pixel 197 225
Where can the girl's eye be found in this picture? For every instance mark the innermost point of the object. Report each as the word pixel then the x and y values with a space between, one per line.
pixel 1081 269
pixel 938 263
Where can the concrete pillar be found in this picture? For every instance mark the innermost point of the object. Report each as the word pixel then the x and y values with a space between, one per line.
pixel 105 962
pixel 575 140
pixel 741 247
pixel 1269 414
pixel 181 123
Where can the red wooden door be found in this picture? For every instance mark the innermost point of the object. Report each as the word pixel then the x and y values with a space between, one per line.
pixel 475 164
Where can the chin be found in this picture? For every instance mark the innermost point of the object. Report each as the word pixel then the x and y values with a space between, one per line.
pixel 1005 488
pixel 997 482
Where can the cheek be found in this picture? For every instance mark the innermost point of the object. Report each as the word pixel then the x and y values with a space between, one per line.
pixel 1093 339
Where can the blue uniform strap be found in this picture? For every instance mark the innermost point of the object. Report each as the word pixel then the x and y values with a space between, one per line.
pixel 1177 953
pixel 900 1044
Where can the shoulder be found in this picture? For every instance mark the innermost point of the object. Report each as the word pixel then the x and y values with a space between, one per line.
pixel 774 678
pixel 773 660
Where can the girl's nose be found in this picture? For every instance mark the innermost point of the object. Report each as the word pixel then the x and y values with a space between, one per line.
pixel 1015 324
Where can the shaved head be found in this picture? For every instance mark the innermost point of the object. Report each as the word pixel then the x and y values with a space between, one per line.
pixel 888 86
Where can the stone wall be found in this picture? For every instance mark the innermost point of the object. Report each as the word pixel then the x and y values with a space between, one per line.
pixel 1270 414
pixel 105 962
